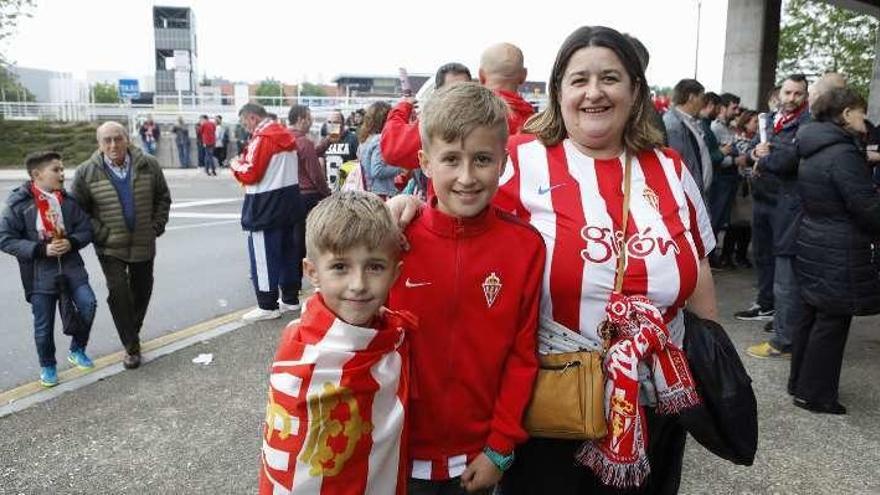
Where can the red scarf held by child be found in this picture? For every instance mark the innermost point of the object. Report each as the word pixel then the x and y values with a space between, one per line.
pixel 50 220
pixel 620 459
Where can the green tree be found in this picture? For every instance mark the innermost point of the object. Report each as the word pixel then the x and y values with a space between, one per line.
pixel 270 90
pixel 10 12
pixel 816 37
pixel 105 93
pixel 11 89
pixel 309 89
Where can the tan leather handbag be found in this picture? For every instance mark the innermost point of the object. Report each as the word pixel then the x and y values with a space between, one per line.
pixel 568 401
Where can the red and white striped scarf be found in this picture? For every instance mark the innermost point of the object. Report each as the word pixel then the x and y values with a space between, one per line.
pixel 337 406
pixel 782 119
pixel 50 219
pixel 620 459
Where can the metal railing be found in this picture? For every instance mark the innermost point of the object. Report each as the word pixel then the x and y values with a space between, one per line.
pixel 167 108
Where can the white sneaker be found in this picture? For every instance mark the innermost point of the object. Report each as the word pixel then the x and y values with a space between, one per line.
pixel 259 314
pixel 287 308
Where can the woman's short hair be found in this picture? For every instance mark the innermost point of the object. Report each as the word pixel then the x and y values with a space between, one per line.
pixel 374 120
pixel 639 133
pixel 830 105
pixel 743 120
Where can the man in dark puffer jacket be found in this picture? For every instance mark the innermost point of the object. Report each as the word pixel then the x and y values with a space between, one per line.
pixel 124 192
pixel 837 273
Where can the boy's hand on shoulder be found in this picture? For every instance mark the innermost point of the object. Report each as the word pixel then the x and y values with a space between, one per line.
pixel 480 474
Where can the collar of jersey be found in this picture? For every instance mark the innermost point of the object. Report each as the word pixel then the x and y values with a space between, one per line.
pixel 449 226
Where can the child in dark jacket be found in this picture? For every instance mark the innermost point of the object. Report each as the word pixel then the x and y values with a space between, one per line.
pixel 45 229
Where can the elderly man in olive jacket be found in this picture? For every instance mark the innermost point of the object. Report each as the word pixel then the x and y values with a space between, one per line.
pixel 124 192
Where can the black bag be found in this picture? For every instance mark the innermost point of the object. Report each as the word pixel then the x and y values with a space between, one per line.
pixel 726 423
pixel 72 322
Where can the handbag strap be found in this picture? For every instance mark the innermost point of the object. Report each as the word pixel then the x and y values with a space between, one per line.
pixel 621 258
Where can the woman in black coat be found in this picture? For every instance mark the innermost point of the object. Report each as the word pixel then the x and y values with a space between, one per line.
pixel 836 270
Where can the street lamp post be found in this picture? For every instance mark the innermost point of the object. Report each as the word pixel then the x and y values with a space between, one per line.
pixel 697 54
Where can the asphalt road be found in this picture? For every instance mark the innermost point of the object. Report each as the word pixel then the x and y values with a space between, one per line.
pixel 201 271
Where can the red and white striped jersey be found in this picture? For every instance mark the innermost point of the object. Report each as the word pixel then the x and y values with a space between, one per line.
pixel 337 407
pixel 576 203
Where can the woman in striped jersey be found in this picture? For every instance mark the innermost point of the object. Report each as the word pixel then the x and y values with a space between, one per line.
pixel 565 176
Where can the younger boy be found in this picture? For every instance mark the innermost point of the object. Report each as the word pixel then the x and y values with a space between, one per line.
pixel 472 277
pixel 338 385
pixel 45 229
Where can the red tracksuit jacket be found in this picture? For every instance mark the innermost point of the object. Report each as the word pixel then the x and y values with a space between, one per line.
pixel 474 285
pixel 400 141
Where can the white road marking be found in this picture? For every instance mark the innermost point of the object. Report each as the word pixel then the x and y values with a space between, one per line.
pixel 203 202
pixel 226 216
pixel 198 225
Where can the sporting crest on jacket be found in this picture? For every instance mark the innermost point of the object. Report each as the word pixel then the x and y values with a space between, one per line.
pixel 491 288
pixel 651 198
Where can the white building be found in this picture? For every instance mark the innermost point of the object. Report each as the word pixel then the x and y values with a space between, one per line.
pixel 50 86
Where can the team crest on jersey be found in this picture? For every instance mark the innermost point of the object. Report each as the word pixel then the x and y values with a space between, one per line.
pixel 651 198
pixel 491 288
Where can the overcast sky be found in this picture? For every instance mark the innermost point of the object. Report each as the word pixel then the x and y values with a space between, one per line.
pixel 315 40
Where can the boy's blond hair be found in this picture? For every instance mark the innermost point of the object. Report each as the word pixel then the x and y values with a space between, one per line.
pixel 455 111
pixel 347 220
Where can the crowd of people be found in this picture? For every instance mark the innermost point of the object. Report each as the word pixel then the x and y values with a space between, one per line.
pixel 806 256
pixel 618 208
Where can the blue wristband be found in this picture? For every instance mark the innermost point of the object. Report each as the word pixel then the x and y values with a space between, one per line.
pixel 502 462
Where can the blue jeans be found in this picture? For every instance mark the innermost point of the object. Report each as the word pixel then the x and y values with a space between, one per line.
pixel 789 305
pixel 210 164
pixel 43 307
pixel 150 147
pixel 762 247
pixel 183 154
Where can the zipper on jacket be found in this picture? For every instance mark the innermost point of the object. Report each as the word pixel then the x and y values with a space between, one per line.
pixel 453 303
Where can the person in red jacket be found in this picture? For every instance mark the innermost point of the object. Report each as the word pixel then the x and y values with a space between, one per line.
pixel 475 350
pixel 208 135
pixel 501 70
pixel 400 141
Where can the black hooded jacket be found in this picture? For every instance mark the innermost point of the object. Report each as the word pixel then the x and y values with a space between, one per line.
pixel 835 264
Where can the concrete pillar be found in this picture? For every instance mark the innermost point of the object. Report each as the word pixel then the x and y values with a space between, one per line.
pixel 874 91
pixel 751 48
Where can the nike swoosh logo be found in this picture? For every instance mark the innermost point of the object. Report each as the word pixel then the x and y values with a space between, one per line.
pixel 411 285
pixel 544 190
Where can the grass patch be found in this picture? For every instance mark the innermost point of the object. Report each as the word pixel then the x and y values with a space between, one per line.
pixel 74 140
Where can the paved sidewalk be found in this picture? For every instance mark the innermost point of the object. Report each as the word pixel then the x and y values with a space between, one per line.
pixel 177 427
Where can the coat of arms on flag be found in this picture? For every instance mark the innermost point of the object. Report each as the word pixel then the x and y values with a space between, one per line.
pixel 491 288
pixel 338 396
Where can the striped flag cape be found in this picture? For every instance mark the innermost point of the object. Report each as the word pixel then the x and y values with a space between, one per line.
pixel 337 406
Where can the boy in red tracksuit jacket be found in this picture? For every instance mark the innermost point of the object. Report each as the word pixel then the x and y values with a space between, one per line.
pixel 400 141
pixel 474 357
